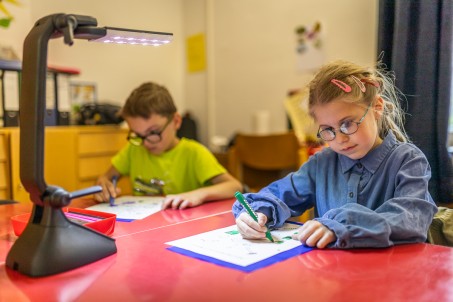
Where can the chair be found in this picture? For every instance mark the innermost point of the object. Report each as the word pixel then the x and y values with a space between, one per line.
pixel 258 160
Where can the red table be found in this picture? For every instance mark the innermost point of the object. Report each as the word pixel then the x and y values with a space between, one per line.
pixel 144 270
pixel 157 220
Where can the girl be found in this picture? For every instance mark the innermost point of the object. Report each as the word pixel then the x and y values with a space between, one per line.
pixel 369 188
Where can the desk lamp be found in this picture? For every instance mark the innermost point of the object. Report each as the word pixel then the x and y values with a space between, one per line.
pixel 51 243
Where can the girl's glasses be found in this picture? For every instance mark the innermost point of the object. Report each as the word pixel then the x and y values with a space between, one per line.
pixel 153 137
pixel 347 127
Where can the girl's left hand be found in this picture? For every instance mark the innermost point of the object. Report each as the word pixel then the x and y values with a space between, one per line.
pixel 182 201
pixel 315 234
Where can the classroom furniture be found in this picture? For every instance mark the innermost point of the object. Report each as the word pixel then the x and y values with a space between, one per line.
pixel 4 165
pixel 144 270
pixel 74 157
pixel 262 159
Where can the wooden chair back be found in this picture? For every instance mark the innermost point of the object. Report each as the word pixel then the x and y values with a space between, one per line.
pixel 262 159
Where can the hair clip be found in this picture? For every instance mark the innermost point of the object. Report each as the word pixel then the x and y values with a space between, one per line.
pixel 342 85
pixel 359 83
pixel 371 82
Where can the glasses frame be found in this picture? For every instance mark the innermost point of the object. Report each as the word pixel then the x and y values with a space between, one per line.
pixel 334 131
pixel 133 137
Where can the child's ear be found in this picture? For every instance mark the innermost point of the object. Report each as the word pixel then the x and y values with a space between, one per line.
pixel 378 108
pixel 177 119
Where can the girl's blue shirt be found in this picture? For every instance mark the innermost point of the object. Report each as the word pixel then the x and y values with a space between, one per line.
pixel 377 201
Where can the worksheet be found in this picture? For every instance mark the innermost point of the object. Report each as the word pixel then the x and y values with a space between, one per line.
pixel 226 247
pixel 131 207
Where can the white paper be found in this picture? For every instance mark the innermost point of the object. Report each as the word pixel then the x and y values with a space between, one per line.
pixel 227 244
pixel 131 207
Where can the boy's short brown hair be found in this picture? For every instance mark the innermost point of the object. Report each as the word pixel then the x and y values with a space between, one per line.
pixel 147 99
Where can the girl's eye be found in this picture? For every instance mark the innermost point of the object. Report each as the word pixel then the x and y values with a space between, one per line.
pixel 346 126
pixel 326 128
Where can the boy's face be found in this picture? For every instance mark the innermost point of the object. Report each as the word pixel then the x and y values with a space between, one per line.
pixel 338 112
pixel 159 131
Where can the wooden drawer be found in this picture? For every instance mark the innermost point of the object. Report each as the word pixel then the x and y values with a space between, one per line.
pixel 3 146
pixel 101 143
pixel 93 167
pixel 4 194
pixel 4 175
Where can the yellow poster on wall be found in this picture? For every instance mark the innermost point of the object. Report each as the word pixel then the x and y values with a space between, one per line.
pixel 196 54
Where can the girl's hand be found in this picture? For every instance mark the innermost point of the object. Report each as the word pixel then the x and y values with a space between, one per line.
pixel 315 234
pixel 182 201
pixel 249 228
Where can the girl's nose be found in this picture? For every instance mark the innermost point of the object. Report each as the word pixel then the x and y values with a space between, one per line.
pixel 341 137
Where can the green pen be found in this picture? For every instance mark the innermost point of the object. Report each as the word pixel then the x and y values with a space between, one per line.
pixel 252 213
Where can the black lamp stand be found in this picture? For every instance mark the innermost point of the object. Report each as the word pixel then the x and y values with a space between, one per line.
pixel 50 243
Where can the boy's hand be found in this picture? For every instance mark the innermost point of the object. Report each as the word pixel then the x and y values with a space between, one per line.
pixel 182 201
pixel 249 228
pixel 315 234
pixel 108 189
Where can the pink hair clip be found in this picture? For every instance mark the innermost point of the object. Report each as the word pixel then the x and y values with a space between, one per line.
pixel 342 85
pixel 359 83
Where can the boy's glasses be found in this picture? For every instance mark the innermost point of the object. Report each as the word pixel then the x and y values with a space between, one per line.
pixel 153 137
pixel 347 127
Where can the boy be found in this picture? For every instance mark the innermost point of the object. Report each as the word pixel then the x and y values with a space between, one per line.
pixel 187 171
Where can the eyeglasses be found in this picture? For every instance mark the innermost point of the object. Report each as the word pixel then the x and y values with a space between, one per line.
pixel 153 137
pixel 347 127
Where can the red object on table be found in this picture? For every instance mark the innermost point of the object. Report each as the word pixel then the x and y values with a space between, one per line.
pixel 104 224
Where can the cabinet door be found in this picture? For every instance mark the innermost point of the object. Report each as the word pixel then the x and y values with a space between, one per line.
pixel 59 161
pixel 96 147
pixel 4 166
pixel 17 189
pixel 74 156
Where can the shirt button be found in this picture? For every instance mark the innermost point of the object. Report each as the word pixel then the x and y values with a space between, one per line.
pixel 351 194
pixel 359 165
pixel 342 243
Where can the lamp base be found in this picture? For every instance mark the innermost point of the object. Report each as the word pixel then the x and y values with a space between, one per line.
pixel 51 244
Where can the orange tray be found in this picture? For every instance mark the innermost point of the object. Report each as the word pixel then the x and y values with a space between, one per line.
pixel 98 221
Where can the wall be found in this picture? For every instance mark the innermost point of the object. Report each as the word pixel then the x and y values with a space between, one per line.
pixel 14 35
pixel 255 57
pixel 195 89
pixel 119 69
pixel 250 51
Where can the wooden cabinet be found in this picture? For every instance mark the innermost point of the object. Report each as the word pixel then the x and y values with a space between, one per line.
pixel 5 178
pixel 74 157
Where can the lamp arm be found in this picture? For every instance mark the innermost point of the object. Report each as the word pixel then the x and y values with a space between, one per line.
pixel 32 108
pixel 33 95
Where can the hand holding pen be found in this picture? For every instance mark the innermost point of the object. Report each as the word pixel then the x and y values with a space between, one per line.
pixel 250 224
pixel 109 189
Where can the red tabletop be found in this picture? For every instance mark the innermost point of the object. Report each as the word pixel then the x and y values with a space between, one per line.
pixel 156 220
pixel 144 269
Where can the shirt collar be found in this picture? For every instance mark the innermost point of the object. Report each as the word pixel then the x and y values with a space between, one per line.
pixel 373 159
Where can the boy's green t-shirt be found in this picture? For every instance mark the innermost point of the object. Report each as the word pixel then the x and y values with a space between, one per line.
pixel 188 166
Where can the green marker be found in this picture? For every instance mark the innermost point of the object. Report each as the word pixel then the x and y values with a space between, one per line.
pixel 252 213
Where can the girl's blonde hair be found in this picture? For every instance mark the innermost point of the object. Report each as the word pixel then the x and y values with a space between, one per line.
pixel 349 78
